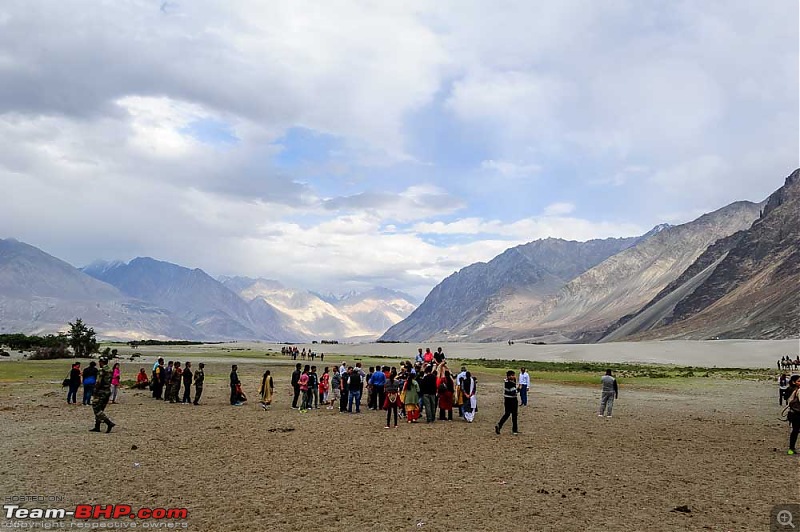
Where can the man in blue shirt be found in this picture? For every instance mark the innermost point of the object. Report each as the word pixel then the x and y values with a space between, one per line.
pixel 378 382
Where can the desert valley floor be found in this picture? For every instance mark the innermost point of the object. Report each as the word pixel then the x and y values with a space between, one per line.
pixel 715 446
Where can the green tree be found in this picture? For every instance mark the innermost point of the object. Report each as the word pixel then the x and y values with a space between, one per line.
pixel 82 339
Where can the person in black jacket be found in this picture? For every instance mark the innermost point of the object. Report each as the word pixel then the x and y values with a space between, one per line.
pixel 345 387
pixel 187 383
pixel 510 402
pixel 427 388
pixel 793 411
pixel 296 385
pixel 74 383
pixel 89 380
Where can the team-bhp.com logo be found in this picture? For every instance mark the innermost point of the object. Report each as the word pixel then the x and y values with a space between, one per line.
pixel 94 511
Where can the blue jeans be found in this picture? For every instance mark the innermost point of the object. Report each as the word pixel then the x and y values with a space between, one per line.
pixel 88 389
pixel 354 396
pixel 523 394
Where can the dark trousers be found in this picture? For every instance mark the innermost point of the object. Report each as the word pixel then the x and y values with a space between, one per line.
pixel 443 412
pixel 296 388
pixel 234 397
pixel 781 398
pixel 378 396
pixel 794 419
pixel 72 393
pixel 511 407
pixel 392 408
pixel 429 401
pixel 523 394
pixel 198 391
pixel 343 401
pixel 187 393
pixel 158 389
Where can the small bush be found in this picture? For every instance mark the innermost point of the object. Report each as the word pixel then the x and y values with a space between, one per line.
pixel 50 353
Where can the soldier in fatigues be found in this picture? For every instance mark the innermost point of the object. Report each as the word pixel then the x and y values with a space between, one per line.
pixel 102 393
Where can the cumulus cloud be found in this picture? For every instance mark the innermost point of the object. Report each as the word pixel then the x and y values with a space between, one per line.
pixel 457 129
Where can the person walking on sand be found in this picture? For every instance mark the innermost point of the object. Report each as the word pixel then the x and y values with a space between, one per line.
pixel 609 392
pixel 793 413
pixel 74 383
pixel 100 397
pixel 510 403
pixel 410 399
pixel 234 382
pixel 266 390
pixel 199 377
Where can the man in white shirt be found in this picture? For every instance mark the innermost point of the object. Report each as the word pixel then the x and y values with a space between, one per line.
pixel 523 385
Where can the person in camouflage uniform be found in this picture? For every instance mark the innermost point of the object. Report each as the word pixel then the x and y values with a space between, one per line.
pixel 199 377
pixel 100 397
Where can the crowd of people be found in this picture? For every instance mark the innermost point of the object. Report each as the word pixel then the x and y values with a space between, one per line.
pixel 403 391
pixel 166 381
pixel 786 363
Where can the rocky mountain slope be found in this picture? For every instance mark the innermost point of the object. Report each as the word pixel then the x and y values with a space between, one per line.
pixel 523 276
pixel 752 288
pixel 356 316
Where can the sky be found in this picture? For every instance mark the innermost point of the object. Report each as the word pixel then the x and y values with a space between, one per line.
pixel 341 145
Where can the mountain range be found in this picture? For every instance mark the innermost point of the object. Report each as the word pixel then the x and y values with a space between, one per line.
pixel 147 298
pixel 730 273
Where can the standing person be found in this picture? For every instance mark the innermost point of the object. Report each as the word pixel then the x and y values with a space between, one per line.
pixel 460 400
pixel 313 387
pixel 158 379
pixel 392 400
pixel 370 395
pixel 336 385
pixel 510 403
pixel 296 385
pixel 410 399
pixel 168 380
pixel 199 377
pixel 324 386
pixel 175 382
pixel 345 380
pixel 793 415
pixel 303 384
pixel 446 392
pixel 187 383
pixel 115 376
pixel 356 386
pixel 427 358
pixel 608 394
pixel 438 356
pixel 469 390
pixel 74 383
pixel 783 384
pixel 419 359
pixel 89 380
pixel 427 387
pixel 234 382
pixel 378 381
pixel 266 390
pixel 100 397
pixel 524 384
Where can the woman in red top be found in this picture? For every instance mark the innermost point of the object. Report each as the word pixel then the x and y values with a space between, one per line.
pixel 303 383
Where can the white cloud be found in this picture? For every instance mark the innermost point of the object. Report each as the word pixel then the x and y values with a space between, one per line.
pixel 509 169
pixel 558 209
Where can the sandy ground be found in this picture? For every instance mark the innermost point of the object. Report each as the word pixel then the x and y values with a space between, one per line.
pixel 720 353
pixel 717 448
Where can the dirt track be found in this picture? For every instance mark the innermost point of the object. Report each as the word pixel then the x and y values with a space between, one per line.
pixel 718 449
